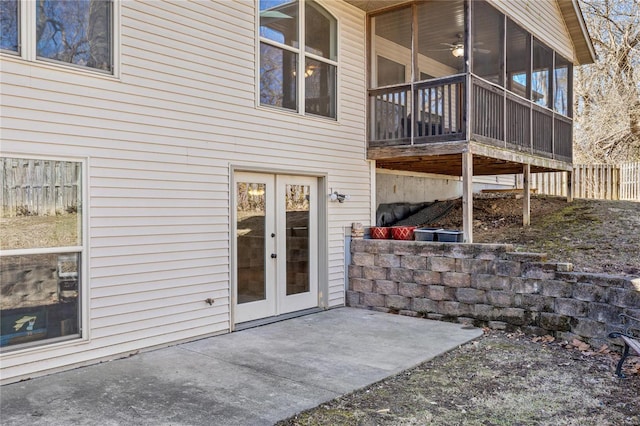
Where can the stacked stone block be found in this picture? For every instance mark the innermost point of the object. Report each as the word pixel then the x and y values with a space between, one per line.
pixel 488 285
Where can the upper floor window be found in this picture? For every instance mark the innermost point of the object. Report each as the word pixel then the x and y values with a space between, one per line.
pixel 298 57
pixel 10 24
pixel 76 32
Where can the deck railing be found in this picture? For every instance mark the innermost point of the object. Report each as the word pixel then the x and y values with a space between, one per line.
pixel 423 112
pixel 435 110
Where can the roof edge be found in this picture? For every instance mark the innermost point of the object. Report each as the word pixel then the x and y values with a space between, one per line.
pixel 577 27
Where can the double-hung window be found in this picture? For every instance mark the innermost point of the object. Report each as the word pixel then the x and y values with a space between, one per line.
pixel 9 26
pixel 75 32
pixel 298 57
pixel 41 230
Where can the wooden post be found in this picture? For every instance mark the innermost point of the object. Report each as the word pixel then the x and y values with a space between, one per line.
pixel 467 196
pixel 526 190
pixel 569 187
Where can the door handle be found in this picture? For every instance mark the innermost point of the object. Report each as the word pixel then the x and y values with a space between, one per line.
pixel 273 255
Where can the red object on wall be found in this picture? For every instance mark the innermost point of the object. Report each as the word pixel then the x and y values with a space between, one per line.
pixel 402 232
pixel 380 233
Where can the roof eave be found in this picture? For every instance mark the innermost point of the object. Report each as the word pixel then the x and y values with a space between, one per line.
pixel 574 20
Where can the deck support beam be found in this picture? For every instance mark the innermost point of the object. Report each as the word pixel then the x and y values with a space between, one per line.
pixel 467 196
pixel 569 187
pixel 526 192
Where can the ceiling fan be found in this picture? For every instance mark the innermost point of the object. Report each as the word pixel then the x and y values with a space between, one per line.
pixel 457 48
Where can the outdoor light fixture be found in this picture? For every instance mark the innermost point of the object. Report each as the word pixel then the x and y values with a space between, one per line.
pixel 335 196
pixel 458 50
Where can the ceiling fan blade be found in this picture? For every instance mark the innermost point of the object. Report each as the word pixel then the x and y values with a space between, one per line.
pixel 448 44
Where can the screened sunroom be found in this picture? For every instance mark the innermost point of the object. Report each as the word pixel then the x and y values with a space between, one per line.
pixel 472 87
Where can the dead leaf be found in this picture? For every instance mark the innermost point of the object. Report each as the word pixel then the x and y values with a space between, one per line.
pixel 580 345
pixel 544 339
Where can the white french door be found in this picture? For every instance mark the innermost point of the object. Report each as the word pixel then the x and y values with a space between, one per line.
pixel 276 232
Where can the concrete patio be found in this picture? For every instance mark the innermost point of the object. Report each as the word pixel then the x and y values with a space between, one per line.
pixel 252 377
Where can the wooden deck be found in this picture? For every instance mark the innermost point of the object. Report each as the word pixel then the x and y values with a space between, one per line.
pixel 426 126
pixel 446 158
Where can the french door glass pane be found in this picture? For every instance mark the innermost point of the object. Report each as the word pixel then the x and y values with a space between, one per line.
pixel 278 85
pixel 297 244
pixel 251 214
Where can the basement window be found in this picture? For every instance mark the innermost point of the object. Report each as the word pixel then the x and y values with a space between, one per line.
pixel 42 251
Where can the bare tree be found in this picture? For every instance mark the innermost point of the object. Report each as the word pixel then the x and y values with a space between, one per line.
pixel 608 92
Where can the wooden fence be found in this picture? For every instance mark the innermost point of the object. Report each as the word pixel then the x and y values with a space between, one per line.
pixel 39 187
pixel 598 181
pixel 630 181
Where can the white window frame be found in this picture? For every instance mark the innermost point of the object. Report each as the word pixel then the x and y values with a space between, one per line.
pixel 27 41
pixel 302 60
pixel 83 274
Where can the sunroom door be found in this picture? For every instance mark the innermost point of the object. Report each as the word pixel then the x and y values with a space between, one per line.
pixel 276 245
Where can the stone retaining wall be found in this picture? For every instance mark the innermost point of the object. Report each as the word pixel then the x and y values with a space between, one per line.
pixel 488 285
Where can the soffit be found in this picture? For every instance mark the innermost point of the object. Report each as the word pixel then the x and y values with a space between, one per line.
pixel 570 9
pixel 373 5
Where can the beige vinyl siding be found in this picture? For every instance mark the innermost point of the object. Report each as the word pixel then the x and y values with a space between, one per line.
pixel 543 19
pixel 159 143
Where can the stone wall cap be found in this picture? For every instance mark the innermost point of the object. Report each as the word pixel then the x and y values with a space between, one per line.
pixel 526 256
pixel 605 280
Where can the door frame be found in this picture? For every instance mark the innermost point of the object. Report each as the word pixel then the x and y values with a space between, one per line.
pixel 322 243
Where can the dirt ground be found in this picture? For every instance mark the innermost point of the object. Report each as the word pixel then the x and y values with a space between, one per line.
pixel 499 379
pixel 513 379
pixel 594 235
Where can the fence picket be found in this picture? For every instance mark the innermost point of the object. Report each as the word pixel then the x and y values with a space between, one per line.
pixel 601 181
